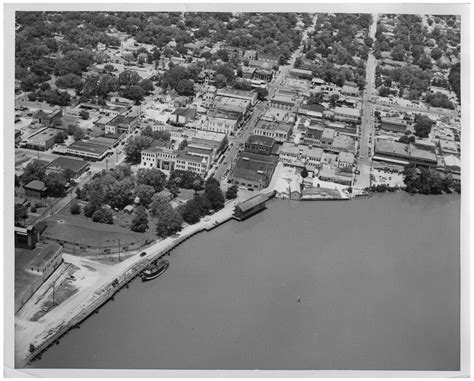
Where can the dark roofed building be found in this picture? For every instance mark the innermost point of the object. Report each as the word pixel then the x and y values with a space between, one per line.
pixel 251 206
pixel 35 189
pixel 78 167
pixel 121 124
pixel 393 124
pixel 259 144
pixel 48 119
pixel 253 171
pixel 183 115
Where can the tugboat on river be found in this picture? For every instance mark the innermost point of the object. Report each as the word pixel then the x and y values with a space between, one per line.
pixel 154 270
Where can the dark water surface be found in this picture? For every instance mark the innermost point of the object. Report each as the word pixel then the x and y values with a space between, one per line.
pixel 378 282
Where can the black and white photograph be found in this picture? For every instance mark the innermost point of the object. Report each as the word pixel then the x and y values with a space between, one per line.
pixel 258 188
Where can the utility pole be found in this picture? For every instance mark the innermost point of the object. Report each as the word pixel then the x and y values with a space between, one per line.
pixel 119 251
pixel 54 293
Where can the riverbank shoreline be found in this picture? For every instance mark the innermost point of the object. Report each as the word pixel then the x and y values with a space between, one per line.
pixel 101 292
pixel 49 329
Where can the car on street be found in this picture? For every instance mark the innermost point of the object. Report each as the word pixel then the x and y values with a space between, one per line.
pixel 142 254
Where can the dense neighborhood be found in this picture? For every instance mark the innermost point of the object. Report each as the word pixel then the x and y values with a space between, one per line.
pixel 132 127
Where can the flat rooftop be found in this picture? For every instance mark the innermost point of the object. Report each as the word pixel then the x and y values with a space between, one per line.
pixel 89 147
pixel 273 126
pixel 390 147
pixel 42 254
pixel 347 111
pixel 260 140
pixel 232 115
pixel 44 135
pixel 68 163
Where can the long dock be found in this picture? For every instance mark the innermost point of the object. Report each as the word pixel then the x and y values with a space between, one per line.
pixel 107 292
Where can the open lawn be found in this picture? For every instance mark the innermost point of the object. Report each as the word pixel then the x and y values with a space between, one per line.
pixel 82 230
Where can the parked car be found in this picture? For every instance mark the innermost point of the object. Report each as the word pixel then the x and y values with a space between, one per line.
pixel 142 254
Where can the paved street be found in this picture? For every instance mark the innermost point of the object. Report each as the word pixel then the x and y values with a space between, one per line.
pixel 247 129
pixel 367 121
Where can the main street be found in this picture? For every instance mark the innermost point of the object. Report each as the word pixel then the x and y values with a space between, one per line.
pixel 261 107
pixel 247 129
pixel 367 121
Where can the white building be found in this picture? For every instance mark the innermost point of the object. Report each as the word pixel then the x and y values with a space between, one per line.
pixel 225 122
pixel 346 114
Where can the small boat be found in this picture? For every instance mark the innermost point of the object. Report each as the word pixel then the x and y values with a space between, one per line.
pixel 155 270
pixel 299 299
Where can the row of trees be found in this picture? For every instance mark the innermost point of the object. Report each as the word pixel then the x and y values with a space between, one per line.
pixel 428 181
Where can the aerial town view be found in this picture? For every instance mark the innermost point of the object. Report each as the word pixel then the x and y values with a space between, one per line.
pixel 211 190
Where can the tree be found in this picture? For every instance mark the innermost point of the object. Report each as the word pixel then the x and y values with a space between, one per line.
pixel 147 86
pixel 231 192
pixel 407 139
pixel 120 193
pixel 61 136
pixel 129 78
pixel 78 134
pixel 224 144
pixel 168 221
pixel 134 147
pixel 173 187
pixel 152 177
pixel 157 201
pixel 75 208
pixel 163 135
pixel 436 53
pixel 423 125
pixel 190 212
pixel 140 221
pixel 262 93
pixel 333 99
pixel 20 214
pixel 185 87
pixel 315 98
pixel 91 207
pixel 183 145
pixel 144 193
pixel 196 186
pixel 204 204
pixel 34 170
pixel 109 68
pixel 135 93
pixel 220 81
pixel 425 62
pixel 185 179
pixel 214 193
pixel 55 183
pixel 84 114
pixel 103 216
pixel 304 173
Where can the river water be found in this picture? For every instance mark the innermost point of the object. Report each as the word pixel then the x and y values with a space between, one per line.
pixel 377 282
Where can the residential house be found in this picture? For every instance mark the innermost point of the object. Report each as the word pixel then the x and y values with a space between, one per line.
pixel 35 189
pixel 48 119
